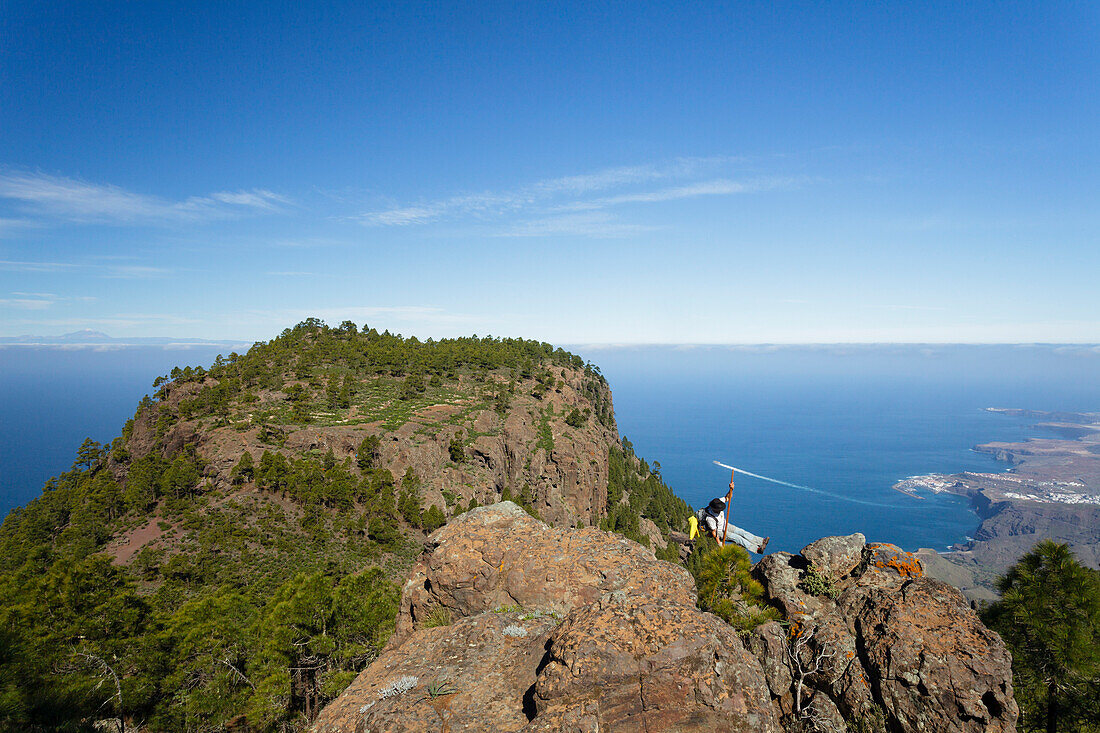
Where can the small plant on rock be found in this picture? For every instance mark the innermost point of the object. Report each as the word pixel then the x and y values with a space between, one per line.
pixel 441 688
pixel 436 616
pixel 817 583
pixel 398 687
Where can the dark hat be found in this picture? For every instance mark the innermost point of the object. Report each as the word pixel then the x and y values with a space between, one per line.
pixel 717 505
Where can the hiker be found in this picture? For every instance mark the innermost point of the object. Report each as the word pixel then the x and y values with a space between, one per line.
pixel 716 524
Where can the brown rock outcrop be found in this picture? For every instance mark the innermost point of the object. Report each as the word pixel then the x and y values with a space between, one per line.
pixel 643 662
pixel 584 631
pixel 886 646
pixel 631 652
pixel 471 675
pixel 837 557
pixel 500 556
pixel 933 663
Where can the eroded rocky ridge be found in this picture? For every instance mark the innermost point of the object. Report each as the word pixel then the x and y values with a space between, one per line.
pixel 582 630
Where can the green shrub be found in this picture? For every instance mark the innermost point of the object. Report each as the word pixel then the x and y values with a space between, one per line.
pixel 817 583
pixel 456 449
pixel 436 616
pixel 433 519
pixel 726 588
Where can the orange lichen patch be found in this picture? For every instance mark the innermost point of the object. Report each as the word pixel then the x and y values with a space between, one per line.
pixel 794 630
pixel 907 566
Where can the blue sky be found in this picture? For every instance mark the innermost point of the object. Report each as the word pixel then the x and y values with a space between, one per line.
pixel 577 173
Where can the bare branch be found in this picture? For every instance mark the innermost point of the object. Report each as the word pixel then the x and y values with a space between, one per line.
pixel 803 668
pixel 239 672
pixel 106 670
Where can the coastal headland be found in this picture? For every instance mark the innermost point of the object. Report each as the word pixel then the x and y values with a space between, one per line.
pixel 1051 491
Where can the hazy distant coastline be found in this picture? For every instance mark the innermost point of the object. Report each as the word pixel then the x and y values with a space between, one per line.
pixel 96 339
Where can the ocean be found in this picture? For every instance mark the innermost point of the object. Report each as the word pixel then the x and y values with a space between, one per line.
pixel 52 398
pixel 850 421
pixel 846 421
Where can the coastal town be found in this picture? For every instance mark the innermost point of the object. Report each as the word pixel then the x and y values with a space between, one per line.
pixel 1051 490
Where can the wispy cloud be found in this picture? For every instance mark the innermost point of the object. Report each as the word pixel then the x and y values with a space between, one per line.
pixel 537 207
pixel 904 307
pixel 26 266
pixel 40 301
pixel 630 175
pixel 478 204
pixel 57 198
pixel 112 321
pixel 133 272
pixel 29 304
pixel 12 227
pixel 716 187
pixel 595 224
pixel 109 269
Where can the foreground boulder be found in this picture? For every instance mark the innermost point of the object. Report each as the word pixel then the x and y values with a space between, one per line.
pixel 500 556
pixel 873 639
pixel 507 624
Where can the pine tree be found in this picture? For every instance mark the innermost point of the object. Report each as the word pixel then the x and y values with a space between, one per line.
pixel 366 457
pixel 433 519
pixel 1049 615
pixel 245 470
pixel 723 576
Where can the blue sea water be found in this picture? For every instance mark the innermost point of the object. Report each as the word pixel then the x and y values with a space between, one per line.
pixel 52 398
pixel 849 421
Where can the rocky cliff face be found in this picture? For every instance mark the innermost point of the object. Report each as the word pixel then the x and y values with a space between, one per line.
pixel 527 446
pixel 507 624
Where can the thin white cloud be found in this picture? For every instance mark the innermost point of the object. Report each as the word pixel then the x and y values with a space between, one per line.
pixel 58 198
pixel 134 271
pixel 109 322
pixel 538 205
pixel 903 307
pixel 25 266
pixel 720 187
pixel 12 227
pixel 102 270
pixel 30 304
pixel 258 199
pixel 595 224
pixel 478 204
pixel 630 175
pixel 40 301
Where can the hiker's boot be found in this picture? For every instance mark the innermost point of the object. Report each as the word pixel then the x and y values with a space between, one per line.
pixel 763 545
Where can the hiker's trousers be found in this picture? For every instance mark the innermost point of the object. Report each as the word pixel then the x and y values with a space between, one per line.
pixel 746 539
